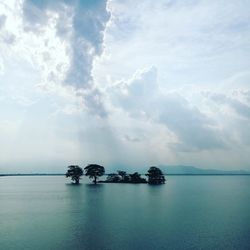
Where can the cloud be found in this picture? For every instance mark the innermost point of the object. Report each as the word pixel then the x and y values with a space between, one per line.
pixel 2 21
pixel 6 36
pixel 185 41
pixel 35 15
pixel 81 71
pixel 1 67
pixel 133 139
pixel 89 22
pixel 137 94
pixel 194 129
pixel 236 105
pixel 246 95
pixel 93 100
pixel 232 112
pixel 141 97
pixel 81 25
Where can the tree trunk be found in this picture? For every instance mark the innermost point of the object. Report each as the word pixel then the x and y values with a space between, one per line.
pixel 95 180
pixel 76 181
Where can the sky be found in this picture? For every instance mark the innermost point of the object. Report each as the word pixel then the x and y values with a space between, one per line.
pixel 124 83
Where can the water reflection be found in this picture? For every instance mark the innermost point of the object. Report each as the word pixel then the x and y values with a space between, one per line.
pixel 87 217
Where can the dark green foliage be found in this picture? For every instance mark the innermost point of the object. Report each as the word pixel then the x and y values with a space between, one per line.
pixel 75 172
pixel 113 177
pixel 94 171
pixel 136 178
pixel 123 177
pixel 155 176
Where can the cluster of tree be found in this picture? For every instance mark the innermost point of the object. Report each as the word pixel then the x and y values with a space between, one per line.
pixel 155 176
pixel 123 177
pixel 94 171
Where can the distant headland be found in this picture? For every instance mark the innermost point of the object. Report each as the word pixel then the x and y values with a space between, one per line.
pixel 191 170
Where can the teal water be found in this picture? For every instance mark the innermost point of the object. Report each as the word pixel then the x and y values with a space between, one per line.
pixel 188 212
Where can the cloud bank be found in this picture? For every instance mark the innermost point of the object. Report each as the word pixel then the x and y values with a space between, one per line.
pixel 124 83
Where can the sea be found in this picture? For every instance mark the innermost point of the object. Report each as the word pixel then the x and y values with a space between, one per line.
pixel 188 212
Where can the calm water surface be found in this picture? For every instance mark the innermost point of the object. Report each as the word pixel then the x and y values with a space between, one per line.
pixel 188 212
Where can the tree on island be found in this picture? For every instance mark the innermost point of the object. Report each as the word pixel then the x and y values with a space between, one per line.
pixel 136 178
pixel 75 172
pixel 113 177
pixel 94 171
pixel 124 176
pixel 155 176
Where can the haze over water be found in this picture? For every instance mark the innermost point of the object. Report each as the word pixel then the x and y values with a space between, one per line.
pixel 188 212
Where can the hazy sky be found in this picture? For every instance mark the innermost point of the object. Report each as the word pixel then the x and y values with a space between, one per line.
pixel 124 83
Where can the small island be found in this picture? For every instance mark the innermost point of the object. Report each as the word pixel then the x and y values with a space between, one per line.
pixel 94 171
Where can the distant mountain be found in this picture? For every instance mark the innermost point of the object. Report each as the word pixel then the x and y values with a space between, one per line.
pixel 190 170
